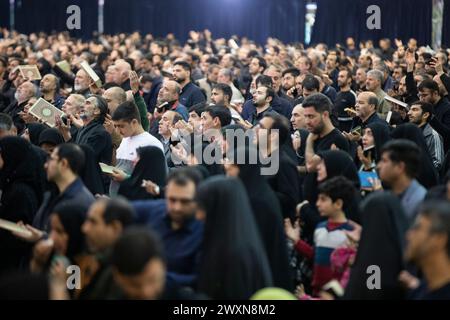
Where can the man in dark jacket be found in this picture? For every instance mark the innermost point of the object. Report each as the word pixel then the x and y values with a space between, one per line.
pixel 92 133
pixel 440 121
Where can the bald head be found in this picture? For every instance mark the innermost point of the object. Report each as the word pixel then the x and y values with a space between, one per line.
pixel 25 91
pixel 114 97
pixel 73 104
pixel 48 84
pixel 298 117
pixel 366 104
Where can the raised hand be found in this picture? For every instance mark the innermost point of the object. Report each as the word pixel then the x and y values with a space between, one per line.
pixel 292 232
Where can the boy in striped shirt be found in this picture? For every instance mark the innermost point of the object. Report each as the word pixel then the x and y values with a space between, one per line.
pixel 334 195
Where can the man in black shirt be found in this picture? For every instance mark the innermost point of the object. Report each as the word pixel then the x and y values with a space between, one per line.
pixel 440 121
pixel 323 135
pixel 428 246
pixel 345 98
pixel 190 93
pixel 262 99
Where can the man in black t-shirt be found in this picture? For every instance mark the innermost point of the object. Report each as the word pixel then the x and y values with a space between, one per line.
pixel 324 135
pixel 345 98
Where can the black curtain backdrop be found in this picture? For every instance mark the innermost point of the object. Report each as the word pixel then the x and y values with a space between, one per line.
pixel 338 19
pixel 446 24
pixel 50 15
pixel 256 19
pixel 4 13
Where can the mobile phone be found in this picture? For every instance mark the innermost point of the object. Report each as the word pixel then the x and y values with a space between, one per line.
pixel 357 130
pixel 64 119
pixel 364 177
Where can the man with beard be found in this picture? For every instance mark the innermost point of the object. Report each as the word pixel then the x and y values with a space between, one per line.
pixel 92 132
pixel 190 94
pixel 262 99
pixel 345 98
pixel 317 110
pixel 49 87
pixel 23 93
pixel 81 83
pixel 173 218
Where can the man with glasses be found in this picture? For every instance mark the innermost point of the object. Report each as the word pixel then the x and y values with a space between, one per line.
pixel 173 218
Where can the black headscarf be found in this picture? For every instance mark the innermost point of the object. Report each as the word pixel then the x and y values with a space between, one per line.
pixel 268 216
pixel 384 225
pixel 52 136
pixel 428 175
pixel 234 263
pixel 151 166
pixel 34 130
pixel 21 164
pixel 337 163
pixel 72 216
pixel 381 135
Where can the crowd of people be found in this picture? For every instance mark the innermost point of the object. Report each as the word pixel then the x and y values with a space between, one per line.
pixel 219 168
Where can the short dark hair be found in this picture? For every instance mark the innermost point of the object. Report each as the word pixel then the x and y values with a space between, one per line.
pixel 438 211
pixel 373 100
pixel 406 151
pixel 225 89
pixel 176 117
pixel 198 108
pixel 293 71
pixel 6 121
pixel 338 188
pixel 182 176
pixel 212 60
pixel 73 154
pixel 262 62
pixel 134 249
pixel 311 83
pixel 425 106
pixel 281 124
pixel 221 112
pixel 186 66
pixel 269 92
pixel 127 111
pixel 263 80
pixel 428 84
pixel 319 102
pixel 118 209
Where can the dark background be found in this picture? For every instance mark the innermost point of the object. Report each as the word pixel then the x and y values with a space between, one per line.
pixel 256 19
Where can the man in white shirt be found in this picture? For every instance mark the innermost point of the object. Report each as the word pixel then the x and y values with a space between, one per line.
pixel 127 121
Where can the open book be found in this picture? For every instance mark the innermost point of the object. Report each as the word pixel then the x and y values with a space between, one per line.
pixel 14 227
pixel 30 72
pixel 45 112
pixel 86 67
pixel 64 66
pixel 106 168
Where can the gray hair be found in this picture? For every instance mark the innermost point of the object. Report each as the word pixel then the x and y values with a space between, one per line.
pixel 377 74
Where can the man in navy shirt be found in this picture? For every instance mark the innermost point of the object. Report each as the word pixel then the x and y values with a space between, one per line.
pixel 190 93
pixel 174 220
